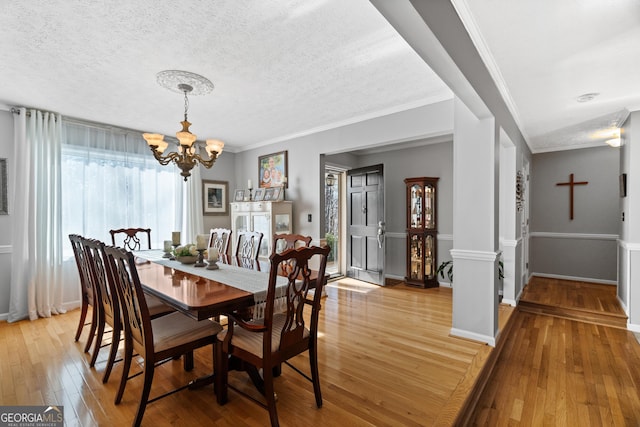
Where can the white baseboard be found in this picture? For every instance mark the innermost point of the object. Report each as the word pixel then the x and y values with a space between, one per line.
pixel 633 327
pixel 444 284
pixel 4 317
pixel 473 336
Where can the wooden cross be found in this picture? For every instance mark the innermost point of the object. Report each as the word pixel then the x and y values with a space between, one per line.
pixel 571 183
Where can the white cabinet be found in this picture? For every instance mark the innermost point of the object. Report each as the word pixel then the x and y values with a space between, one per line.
pixel 267 217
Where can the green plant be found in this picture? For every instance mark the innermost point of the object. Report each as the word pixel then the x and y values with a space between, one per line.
pixel 331 242
pixel 446 267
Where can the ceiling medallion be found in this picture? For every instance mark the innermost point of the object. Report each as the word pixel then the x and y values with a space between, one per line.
pixel 173 79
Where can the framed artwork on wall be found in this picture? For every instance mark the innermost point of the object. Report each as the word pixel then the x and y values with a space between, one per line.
pixel 272 170
pixel 215 197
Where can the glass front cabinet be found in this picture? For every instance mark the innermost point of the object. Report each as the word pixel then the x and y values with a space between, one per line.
pixel 267 217
pixel 422 232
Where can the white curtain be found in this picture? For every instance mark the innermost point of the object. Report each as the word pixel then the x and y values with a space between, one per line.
pixel 36 279
pixel 192 216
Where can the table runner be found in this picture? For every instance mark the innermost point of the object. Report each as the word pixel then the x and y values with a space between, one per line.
pixel 255 282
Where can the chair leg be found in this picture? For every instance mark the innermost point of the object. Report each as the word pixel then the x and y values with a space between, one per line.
pixel 83 316
pixel 270 396
pixel 92 328
pixel 128 355
pixel 313 361
pixel 146 389
pixel 115 343
pixel 187 361
pixel 221 366
pixel 96 347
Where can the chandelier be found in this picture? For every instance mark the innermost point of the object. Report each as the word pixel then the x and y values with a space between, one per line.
pixel 189 152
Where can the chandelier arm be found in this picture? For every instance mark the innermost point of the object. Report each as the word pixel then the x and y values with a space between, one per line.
pixel 164 160
pixel 207 163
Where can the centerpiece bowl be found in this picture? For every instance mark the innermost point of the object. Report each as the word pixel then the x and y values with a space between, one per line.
pixel 187 259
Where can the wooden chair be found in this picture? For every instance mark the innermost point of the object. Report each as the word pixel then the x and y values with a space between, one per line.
pixel 107 305
pixel 282 242
pixel 220 238
pixel 87 291
pixel 156 340
pixel 268 342
pixel 131 239
pixel 249 244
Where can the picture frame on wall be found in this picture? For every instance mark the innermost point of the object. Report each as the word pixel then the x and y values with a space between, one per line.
pixel 273 170
pixel 215 197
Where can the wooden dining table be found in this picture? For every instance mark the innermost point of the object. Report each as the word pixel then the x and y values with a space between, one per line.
pixel 199 294
pixel 190 292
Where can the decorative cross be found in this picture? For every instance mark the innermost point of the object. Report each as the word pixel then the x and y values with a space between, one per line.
pixel 571 183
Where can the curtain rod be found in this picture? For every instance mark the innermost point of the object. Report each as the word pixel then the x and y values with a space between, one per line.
pixel 97 125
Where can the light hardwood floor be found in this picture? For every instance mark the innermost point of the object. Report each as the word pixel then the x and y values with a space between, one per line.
pixel 385 358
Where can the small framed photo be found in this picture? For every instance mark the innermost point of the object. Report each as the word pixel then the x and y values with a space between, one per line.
pixel 272 170
pixel 239 196
pixel 215 197
pixel 268 194
pixel 277 193
pixel 259 195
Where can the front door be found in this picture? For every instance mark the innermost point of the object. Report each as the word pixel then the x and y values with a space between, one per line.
pixel 365 224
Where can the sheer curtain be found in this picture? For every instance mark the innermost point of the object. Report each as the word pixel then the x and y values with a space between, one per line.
pixel 36 266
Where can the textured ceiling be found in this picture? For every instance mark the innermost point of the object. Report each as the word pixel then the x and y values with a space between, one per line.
pixel 280 67
pixel 283 68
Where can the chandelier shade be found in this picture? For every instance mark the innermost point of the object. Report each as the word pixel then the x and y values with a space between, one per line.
pixel 189 151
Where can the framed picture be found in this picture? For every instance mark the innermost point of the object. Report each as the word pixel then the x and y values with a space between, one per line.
pixel 277 193
pixel 215 197
pixel 239 196
pixel 272 170
pixel 268 194
pixel 258 196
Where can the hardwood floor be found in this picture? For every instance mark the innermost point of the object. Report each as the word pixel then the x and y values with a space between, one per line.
pixel 385 358
pixel 555 370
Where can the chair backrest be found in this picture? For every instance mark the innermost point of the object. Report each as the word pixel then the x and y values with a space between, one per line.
pixel 83 268
pixel 220 238
pixel 131 239
pixel 294 263
pixel 135 313
pixel 106 293
pixel 282 242
pixel 249 244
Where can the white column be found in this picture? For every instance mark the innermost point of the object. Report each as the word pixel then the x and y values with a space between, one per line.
pixel 475 226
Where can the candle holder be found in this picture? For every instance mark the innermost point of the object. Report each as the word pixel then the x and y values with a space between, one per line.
pixel 200 261
pixel 175 245
pixel 167 251
pixel 250 195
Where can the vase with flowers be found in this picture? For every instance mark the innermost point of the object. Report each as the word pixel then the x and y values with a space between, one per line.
pixel 187 254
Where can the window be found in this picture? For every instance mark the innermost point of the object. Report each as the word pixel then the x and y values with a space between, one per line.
pixel 111 180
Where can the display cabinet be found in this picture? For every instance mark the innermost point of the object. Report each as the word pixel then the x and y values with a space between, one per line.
pixel 269 218
pixel 422 232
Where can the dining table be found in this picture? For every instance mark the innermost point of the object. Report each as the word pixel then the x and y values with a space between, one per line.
pixel 237 284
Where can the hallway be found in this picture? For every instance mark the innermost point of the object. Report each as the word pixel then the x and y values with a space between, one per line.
pixel 569 360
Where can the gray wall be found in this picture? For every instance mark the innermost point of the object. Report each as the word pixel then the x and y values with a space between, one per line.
pixel 584 247
pixel 6 152
pixel 433 160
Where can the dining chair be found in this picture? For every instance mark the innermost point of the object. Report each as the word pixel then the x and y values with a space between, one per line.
pixel 220 238
pixel 87 291
pixel 108 307
pixel 283 333
pixel 248 245
pixel 156 340
pixel 131 239
pixel 282 242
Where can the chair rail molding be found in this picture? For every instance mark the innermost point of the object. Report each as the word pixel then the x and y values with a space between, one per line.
pixel 583 236
pixel 6 249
